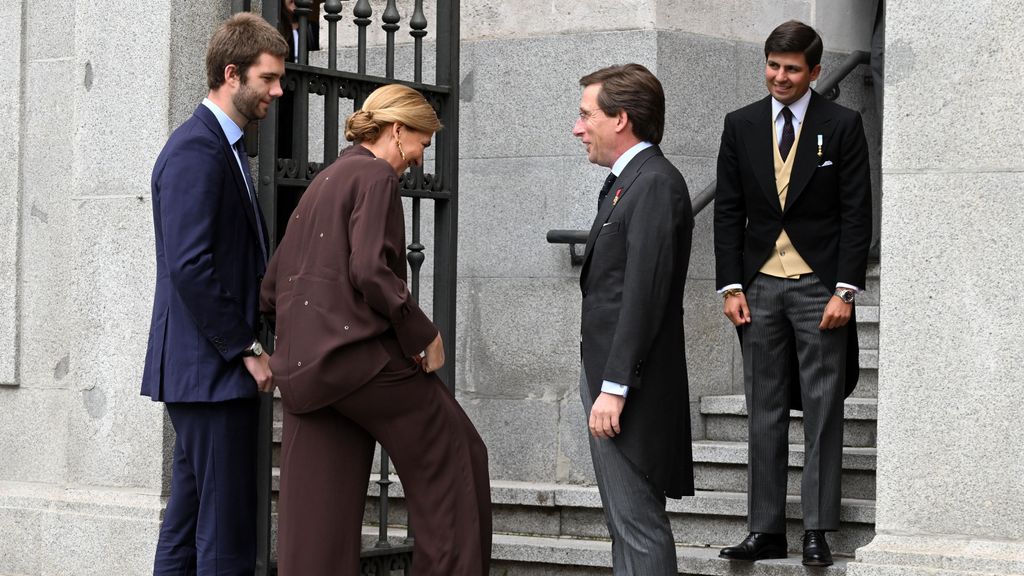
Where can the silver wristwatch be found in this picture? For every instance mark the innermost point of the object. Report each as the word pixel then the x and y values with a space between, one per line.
pixel 845 294
pixel 255 350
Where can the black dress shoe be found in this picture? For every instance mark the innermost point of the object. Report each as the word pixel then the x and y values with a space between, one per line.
pixel 816 552
pixel 757 546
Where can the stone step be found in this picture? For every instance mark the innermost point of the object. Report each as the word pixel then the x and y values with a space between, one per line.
pixel 516 555
pixel 869 297
pixel 867 383
pixel 570 511
pixel 867 327
pixel 722 466
pixel 725 419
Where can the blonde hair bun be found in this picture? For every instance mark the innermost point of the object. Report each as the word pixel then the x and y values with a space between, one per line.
pixel 389 104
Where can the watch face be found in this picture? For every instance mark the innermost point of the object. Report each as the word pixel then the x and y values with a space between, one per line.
pixel 257 349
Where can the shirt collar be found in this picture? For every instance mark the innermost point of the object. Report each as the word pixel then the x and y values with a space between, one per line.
pixel 231 130
pixel 628 155
pixel 798 108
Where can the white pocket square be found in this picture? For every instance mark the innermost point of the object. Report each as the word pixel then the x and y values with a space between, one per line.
pixel 605 224
pixel 825 163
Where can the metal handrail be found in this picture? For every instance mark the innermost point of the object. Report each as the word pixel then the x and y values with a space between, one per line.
pixel 828 87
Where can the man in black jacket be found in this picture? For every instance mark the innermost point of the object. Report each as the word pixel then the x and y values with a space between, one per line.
pixel 792 232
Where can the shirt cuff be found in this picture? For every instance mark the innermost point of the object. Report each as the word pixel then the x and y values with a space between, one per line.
pixel 613 388
pixel 850 286
pixel 731 287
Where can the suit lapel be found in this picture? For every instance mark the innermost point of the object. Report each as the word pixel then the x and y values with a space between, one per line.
pixel 806 161
pixel 623 182
pixel 760 149
pixel 206 116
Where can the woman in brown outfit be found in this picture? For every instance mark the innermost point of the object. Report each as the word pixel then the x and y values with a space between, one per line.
pixel 355 361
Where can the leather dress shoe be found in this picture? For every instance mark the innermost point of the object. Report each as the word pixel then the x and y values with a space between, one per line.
pixel 816 552
pixel 757 546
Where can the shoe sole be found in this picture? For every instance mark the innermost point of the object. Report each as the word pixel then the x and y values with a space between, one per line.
pixel 817 563
pixel 771 556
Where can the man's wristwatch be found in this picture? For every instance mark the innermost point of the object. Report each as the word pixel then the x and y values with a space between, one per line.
pixel 731 292
pixel 845 294
pixel 255 350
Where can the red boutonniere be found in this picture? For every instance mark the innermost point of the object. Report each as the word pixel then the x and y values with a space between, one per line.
pixel 617 194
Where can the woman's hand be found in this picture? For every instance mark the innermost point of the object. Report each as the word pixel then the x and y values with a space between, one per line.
pixel 433 356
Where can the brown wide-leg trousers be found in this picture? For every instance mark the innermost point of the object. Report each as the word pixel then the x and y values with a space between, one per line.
pixel 442 462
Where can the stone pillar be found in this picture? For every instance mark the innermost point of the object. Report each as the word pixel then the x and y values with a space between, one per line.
pixel 950 494
pixel 10 174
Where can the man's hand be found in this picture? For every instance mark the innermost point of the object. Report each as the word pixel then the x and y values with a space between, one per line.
pixel 433 356
pixel 604 416
pixel 259 367
pixel 837 314
pixel 736 310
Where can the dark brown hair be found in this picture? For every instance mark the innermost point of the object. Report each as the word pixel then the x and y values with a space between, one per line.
pixel 632 88
pixel 287 19
pixel 240 40
pixel 795 36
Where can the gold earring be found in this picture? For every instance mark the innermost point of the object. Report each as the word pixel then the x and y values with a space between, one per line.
pixel 401 152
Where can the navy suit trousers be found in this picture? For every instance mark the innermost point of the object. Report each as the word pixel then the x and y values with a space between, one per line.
pixel 209 527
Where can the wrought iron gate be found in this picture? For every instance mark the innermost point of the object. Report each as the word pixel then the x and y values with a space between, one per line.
pixel 285 170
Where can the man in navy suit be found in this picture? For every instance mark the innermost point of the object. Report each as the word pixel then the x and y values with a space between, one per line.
pixel 204 360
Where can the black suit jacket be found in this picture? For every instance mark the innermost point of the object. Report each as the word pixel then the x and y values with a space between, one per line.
pixel 828 206
pixel 633 277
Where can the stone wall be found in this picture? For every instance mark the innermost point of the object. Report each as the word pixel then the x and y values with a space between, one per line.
pixel 93 94
pixel 523 173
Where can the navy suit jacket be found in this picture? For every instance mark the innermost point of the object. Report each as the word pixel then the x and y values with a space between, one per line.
pixel 209 267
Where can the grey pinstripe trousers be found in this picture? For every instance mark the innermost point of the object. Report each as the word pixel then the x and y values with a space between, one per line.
pixel 634 509
pixel 786 313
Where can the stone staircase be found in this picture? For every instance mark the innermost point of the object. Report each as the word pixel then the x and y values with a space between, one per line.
pixel 558 529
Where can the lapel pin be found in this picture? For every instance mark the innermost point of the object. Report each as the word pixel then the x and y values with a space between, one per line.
pixel 819 146
pixel 618 193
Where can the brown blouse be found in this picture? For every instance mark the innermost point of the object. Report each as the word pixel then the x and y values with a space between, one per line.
pixel 337 283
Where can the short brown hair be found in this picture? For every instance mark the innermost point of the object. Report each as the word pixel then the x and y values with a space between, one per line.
pixel 385 106
pixel 632 88
pixel 240 40
pixel 795 36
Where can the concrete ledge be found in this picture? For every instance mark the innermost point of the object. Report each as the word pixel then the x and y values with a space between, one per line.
pixel 938 555
pixel 702 503
pixel 96 531
pixel 556 553
pixel 736 453
pixel 734 404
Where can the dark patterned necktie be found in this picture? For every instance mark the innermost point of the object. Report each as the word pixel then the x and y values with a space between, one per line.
pixel 605 189
pixel 240 148
pixel 786 142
